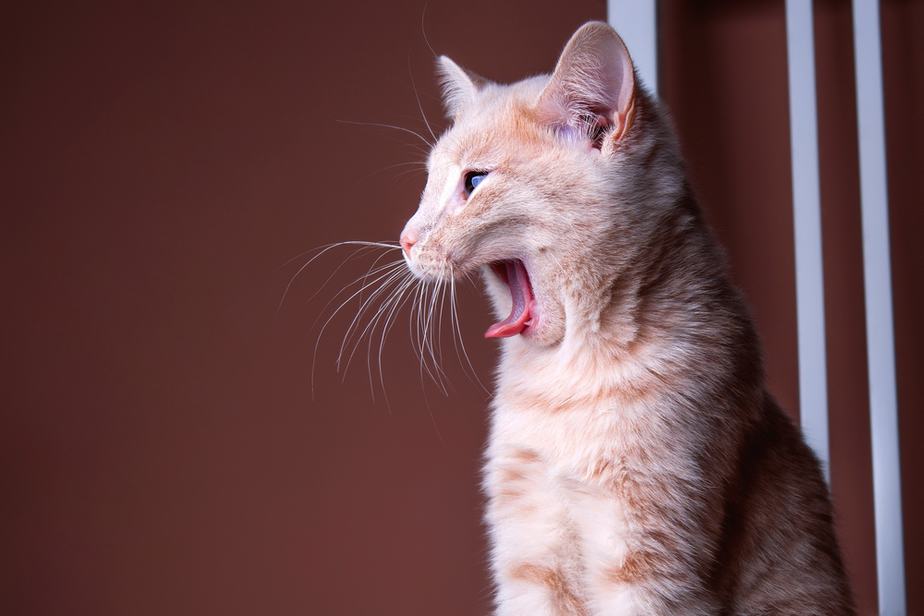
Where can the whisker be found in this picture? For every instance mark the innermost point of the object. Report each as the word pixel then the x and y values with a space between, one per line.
pixel 419 299
pixel 323 250
pixel 407 172
pixel 439 324
pixel 403 297
pixel 415 166
pixel 324 247
pixel 344 262
pixel 359 281
pixel 380 294
pixel 423 29
pixel 428 334
pixel 458 333
pixel 392 126
pixel 331 317
pixel 387 307
pixel 393 276
pixel 417 98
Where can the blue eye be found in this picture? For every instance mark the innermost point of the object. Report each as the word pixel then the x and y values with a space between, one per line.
pixel 473 179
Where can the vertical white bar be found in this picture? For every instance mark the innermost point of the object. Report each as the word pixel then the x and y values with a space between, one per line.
pixel 806 201
pixel 877 278
pixel 637 24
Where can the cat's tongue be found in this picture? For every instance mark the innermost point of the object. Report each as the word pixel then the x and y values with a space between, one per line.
pixel 514 274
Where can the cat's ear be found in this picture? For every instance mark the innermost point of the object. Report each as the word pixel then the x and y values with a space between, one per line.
pixel 593 86
pixel 459 86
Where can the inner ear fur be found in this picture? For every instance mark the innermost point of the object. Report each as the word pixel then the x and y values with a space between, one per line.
pixel 593 86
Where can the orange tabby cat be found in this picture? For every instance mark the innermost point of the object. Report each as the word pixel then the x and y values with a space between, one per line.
pixel 636 463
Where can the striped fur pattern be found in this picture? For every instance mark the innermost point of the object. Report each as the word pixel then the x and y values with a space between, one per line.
pixel 636 462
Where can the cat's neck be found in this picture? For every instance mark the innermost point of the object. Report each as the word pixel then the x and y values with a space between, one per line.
pixel 672 308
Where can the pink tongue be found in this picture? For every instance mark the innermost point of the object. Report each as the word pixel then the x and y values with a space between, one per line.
pixel 522 297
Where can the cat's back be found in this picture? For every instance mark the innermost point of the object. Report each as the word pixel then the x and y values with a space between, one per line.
pixel 779 552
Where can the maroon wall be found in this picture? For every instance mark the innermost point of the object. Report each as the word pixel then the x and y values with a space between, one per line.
pixel 162 452
pixel 162 449
pixel 903 73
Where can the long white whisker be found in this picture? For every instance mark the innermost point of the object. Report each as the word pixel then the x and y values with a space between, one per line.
pixel 439 323
pixel 331 317
pixel 361 281
pixel 458 333
pixel 370 328
pixel 372 268
pixel 323 250
pixel 421 338
pixel 380 243
pixel 417 98
pixel 336 270
pixel 407 172
pixel 428 334
pixel 392 126
pixel 392 276
pixel 385 310
pixel 396 278
pixel 415 166
pixel 380 294
pixel 402 299
pixel 439 326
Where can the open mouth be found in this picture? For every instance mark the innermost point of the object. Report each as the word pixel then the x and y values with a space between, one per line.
pixel 513 273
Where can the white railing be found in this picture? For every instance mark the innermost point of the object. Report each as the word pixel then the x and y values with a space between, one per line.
pixel 877 280
pixel 806 206
pixel 637 24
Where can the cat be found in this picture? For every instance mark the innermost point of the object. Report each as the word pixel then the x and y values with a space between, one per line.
pixel 636 463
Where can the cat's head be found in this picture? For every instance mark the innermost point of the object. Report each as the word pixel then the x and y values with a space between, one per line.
pixel 532 185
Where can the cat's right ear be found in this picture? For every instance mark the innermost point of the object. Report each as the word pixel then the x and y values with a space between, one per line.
pixel 593 86
pixel 459 86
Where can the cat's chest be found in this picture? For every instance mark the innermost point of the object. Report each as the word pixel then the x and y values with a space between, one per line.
pixel 574 442
pixel 551 468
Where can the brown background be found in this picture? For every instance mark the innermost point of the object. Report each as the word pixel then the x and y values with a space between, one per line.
pixel 162 452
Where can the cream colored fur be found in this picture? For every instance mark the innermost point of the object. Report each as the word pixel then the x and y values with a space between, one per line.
pixel 625 471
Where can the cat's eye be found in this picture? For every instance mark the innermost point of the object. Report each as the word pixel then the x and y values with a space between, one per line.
pixel 473 179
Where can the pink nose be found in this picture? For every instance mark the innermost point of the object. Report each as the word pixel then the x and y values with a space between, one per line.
pixel 408 239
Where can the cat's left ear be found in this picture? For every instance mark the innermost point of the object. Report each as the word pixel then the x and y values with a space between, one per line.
pixel 459 86
pixel 593 86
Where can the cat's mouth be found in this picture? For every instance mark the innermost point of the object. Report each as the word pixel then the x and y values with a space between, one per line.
pixel 513 274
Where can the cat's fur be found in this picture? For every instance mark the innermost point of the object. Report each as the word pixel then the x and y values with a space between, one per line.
pixel 636 463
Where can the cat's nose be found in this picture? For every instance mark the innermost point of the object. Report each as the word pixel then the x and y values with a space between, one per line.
pixel 408 239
